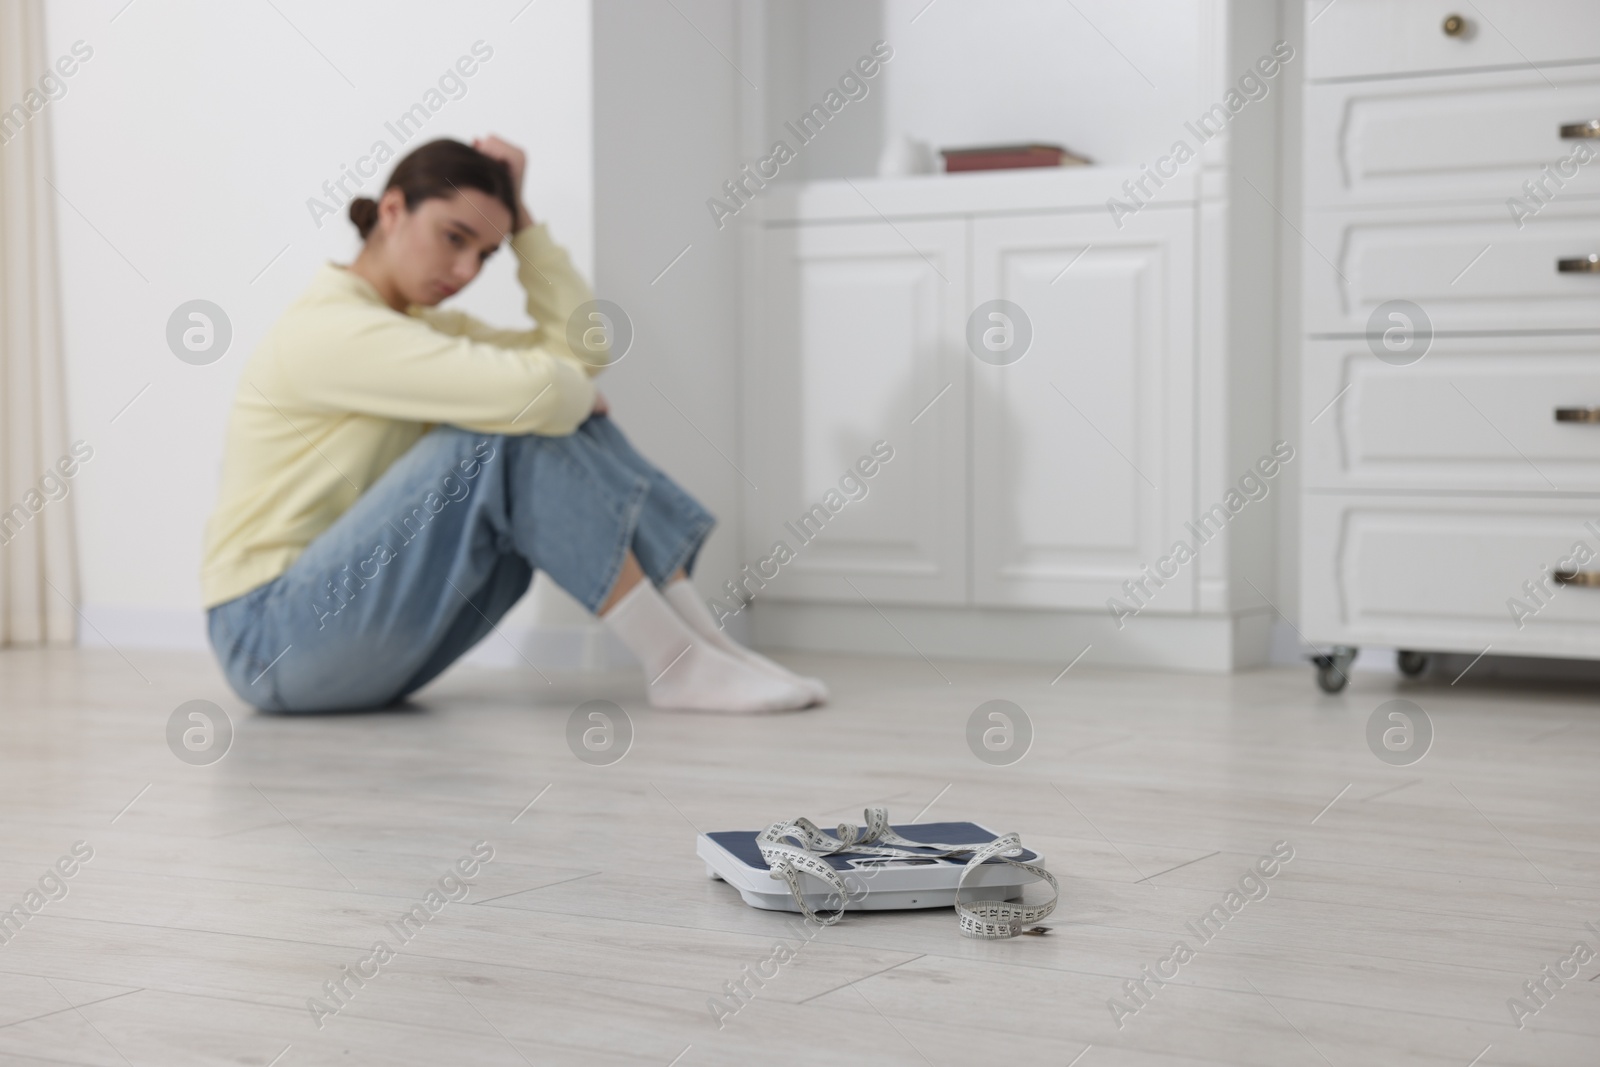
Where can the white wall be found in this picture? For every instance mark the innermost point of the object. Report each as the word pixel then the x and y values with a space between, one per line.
pixel 187 147
pixel 667 109
pixel 1059 79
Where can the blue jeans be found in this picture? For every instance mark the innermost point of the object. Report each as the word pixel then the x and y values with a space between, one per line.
pixel 438 549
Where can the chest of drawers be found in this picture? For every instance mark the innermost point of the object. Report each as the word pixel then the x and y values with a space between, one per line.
pixel 1450 370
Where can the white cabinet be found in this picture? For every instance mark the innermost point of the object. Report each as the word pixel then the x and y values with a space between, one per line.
pixel 1451 492
pixel 862 335
pixel 1064 470
pixel 1080 448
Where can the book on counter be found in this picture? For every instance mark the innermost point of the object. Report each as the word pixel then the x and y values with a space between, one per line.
pixel 1008 156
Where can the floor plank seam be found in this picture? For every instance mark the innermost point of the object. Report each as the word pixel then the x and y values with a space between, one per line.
pixel 70 1007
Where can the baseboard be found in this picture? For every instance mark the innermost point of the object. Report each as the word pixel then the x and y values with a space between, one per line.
pixel 116 626
pixel 578 648
pixel 589 646
pixel 1204 643
pixel 562 648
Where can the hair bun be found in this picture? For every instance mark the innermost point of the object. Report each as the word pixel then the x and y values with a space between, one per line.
pixel 363 212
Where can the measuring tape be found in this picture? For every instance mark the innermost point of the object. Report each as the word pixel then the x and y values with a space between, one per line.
pixel 988 919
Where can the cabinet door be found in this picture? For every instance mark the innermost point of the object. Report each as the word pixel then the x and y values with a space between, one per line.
pixel 1083 448
pixel 858 344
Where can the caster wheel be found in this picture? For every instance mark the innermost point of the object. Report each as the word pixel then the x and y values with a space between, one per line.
pixel 1412 664
pixel 1333 670
pixel 1330 679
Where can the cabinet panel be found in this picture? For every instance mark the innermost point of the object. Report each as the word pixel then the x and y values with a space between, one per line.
pixel 860 327
pixel 1453 574
pixel 1474 413
pixel 1467 268
pixel 1462 137
pixel 1082 448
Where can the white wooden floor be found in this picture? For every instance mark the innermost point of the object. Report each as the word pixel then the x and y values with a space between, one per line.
pixel 220 899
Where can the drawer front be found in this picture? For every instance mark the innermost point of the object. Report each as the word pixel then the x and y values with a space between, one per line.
pixel 1458 137
pixel 1467 268
pixel 1473 413
pixel 1377 38
pixel 1449 573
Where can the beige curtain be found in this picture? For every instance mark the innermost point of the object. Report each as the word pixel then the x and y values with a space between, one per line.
pixel 38 564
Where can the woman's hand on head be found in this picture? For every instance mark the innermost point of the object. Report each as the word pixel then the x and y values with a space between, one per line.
pixel 516 161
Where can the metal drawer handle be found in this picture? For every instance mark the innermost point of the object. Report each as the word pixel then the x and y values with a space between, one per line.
pixel 1591 579
pixel 1589 264
pixel 1578 414
pixel 1578 130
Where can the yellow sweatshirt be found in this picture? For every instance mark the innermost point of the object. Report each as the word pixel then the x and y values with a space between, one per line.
pixel 342 384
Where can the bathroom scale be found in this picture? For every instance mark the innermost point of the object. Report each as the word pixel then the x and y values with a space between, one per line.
pixel 877 883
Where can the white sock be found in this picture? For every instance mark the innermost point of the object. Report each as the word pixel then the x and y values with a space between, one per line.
pixel 683 670
pixel 687 603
